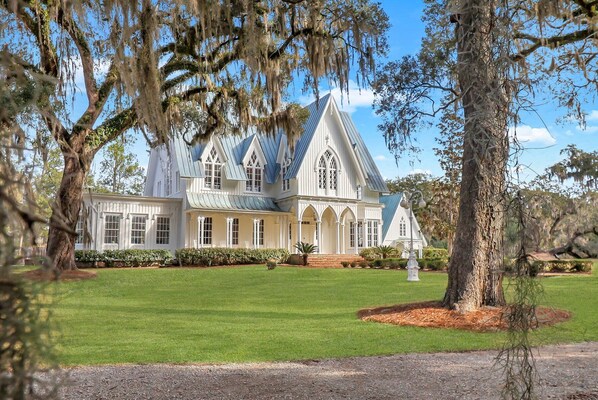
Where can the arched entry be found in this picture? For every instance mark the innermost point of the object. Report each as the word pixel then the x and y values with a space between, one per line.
pixel 307 232
pixel 349 233
pixel 328 242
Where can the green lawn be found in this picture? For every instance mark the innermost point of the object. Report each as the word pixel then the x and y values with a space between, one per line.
pixel 250 314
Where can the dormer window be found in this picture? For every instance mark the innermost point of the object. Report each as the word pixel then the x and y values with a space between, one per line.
pixel 327 171
pixel 253 169
pixel 213 171
pixel 286 183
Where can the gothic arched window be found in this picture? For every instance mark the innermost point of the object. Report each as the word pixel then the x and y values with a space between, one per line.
pixel 253 169
pixel 213 171
pixel 327 171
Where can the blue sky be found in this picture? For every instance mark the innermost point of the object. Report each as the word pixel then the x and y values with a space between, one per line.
pixel 542 136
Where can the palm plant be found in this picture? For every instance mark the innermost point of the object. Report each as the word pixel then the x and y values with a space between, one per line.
pixel 305 249
pixel 385 251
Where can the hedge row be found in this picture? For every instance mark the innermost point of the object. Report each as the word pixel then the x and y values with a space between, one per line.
pixel 126 258
pixel 435 264
pixel 225 256
pixel 552 266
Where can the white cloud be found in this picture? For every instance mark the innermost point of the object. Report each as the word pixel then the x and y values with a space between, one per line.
pixel 380 157
pixel 592 116
pixel 419 171
pixel 348 102
pixel 527 134
pixel 587 129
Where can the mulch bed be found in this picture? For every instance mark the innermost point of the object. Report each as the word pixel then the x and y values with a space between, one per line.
pixel 431 314
pixel 64 276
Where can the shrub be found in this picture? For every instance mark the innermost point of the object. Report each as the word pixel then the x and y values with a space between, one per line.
pixel 353 264
pixel 370 254
pixel 378 263
pixel 87 256
pixel 364 264
pixel 561 266
pixel 129 258
pixel 224 256
pixel 345 264
pixel 436 264
pixel 271 264
pixel 432 252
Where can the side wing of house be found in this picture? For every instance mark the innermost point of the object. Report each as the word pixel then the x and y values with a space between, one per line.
pixel 397 228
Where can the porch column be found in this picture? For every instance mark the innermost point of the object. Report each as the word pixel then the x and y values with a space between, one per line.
pixel 319 229
pixel 338 237
pixel 299 230
pixel 229 232
pixel 380 240
pixel 355 235
pixel 254 233
pixel 344 247
pixel 200 232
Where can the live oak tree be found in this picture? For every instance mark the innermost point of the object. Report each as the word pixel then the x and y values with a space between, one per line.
pixel 488 59
pixel 141 63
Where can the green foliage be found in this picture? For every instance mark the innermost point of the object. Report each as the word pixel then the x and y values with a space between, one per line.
pixel 370 253
pixel 431 252
pixel 225 256
pixel 562 266
pixel 386 251
pixel 120 171
pixel 345 264
pixel 271 264
pixel 305 249
pixel 127 258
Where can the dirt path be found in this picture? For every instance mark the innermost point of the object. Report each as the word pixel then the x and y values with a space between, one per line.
pixel 566 372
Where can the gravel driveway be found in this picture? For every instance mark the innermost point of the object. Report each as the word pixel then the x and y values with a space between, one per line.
pixel 566 372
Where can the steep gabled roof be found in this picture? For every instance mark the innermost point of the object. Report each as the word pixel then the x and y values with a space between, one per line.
pixel 236 147
pixel 391 204
pixel 187 157
pixel 316 111
pixel 375 181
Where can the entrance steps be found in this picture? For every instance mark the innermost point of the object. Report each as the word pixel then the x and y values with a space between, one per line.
pixel 331 260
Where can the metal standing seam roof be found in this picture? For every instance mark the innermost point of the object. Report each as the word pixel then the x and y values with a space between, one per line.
pixel 213 201
pixel 375 181
pixel 187 157
pixel 391 204
pixel 233 149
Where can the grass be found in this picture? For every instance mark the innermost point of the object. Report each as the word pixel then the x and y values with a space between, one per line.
pixel 250 314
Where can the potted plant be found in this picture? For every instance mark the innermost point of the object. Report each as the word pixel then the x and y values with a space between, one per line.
pixel 305 249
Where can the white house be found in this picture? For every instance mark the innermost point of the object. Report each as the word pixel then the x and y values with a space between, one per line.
pixel 253 191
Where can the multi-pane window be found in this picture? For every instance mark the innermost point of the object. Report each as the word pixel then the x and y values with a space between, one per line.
pixel 213 170
pixel 235 232
pixel 327 171
pixel 162 230
pixel 79 229
pixel 260 232
pixel 322 173
pixel 111 228
pixel 207 230
pixel 402 227
pixel 254 174
pixel 359 234
pixel 138 229
pixel 333 173
pixel 286 183
pixel 373 233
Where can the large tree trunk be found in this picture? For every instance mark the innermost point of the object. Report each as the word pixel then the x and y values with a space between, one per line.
pixel 476 262
pixel 65 211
